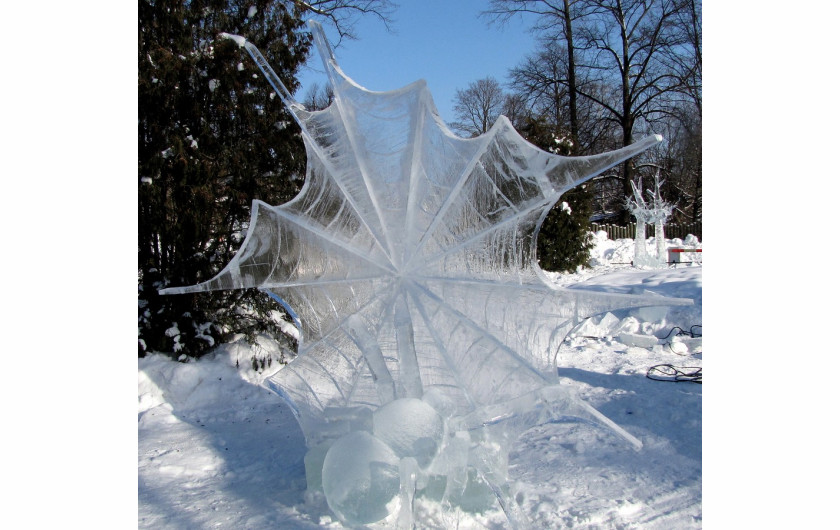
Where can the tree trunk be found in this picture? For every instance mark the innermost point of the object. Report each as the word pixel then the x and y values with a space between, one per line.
pixel 570 48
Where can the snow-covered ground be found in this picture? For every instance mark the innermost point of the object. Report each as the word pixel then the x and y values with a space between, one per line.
pixel 218 450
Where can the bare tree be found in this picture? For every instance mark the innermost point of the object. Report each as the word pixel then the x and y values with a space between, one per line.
pixel 687 158
pixel 318 97
pixel 683 163
pixel 541 81
pixel 478 107
pixel 343 14
pixel 515 108
pixel 639 61
pixel 555 21
pixel 629 42
pixel 687 58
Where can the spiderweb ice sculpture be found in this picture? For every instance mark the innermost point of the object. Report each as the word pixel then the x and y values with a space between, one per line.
pixel 428 333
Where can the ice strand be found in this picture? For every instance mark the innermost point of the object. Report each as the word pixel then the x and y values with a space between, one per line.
pixel 367 344
pixel 409 369
pixel 408 488
pixel 272 77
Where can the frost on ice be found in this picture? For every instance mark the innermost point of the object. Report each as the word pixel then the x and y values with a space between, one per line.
pixel 428 333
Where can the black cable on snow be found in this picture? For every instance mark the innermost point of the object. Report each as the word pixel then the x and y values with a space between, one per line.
pixel 681 331
pixel 674 374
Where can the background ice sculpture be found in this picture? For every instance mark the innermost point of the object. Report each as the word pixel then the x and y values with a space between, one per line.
pixel 428 333
pixel 659 213
pixel 638 207
pixel 654 212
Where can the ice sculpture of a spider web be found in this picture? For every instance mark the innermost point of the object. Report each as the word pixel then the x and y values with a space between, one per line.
pixel 428 333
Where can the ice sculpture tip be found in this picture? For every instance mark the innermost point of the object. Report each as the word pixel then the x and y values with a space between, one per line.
pixel 312 23
pixel 173 290
pixel 236 38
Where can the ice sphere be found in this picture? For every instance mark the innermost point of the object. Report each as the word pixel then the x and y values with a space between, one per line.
pixel 361 476
pixel 411 427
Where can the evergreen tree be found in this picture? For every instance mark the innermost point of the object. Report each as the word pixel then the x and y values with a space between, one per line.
pixel 212 137
pixel 564 240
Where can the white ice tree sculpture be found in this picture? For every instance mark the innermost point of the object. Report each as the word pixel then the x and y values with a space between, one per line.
pixel 655 211
pixel 639 209
pixel 659 213
pixel 428 331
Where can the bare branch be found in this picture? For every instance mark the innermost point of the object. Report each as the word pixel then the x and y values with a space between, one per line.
pixel 343 15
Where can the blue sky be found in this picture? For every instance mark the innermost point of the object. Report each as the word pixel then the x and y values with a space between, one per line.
pixel 442 41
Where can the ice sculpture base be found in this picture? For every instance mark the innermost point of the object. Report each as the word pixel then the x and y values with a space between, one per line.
pixel 647 261
pixel 377 462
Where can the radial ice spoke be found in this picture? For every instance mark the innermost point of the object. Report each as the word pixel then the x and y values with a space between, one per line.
pixel 330 238
pixel 479 235
pixel 336 77
pixel 409 369
pixel 471 346
pixel 453 195
pixel 536 333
